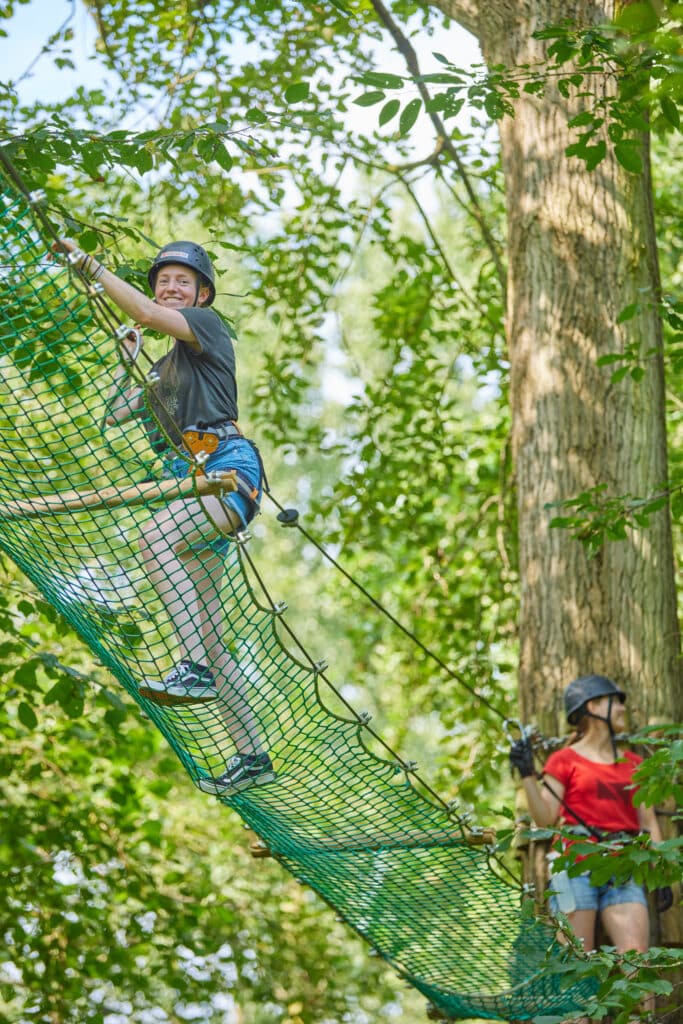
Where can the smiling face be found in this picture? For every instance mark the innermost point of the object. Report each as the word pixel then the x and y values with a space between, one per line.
pixel 176 287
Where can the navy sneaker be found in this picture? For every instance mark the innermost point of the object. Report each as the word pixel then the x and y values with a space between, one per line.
pixel 187 683
pixel 242 771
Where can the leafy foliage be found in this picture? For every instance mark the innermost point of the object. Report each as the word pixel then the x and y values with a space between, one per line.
pixel 340 250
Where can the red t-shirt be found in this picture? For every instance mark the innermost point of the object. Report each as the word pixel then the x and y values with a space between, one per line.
pixel 601 794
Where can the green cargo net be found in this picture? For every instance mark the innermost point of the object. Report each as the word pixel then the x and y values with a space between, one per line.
pixel 75 502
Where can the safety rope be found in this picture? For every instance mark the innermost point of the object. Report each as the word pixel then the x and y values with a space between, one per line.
pixel 290 517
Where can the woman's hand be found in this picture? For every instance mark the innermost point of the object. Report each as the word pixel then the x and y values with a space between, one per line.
pixel 69 245
pixel 84 262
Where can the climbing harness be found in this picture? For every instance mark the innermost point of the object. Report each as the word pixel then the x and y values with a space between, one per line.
pixel 204 441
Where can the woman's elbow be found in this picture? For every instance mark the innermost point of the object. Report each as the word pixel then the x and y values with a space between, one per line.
pixel 148 315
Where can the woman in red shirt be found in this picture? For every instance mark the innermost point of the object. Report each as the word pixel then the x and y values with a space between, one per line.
pixel 589 785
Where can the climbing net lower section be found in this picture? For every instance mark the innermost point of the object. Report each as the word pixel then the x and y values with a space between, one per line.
pixel 77 511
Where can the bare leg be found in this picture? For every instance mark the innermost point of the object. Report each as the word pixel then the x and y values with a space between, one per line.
pixel 188 584
pixel 206 568
pixel 628 927
pixel 583 925
pixel 165 548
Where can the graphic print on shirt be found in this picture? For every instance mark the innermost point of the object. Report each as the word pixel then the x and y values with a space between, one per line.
pixel 169 387
pixel 613 791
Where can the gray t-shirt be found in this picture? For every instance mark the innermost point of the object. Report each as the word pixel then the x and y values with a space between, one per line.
pixel 194 387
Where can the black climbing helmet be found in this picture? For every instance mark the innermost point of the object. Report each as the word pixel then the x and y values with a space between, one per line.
pixel 188 254
pixel 580 691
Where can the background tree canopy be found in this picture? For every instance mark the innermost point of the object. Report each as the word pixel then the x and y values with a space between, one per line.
pixel 391 277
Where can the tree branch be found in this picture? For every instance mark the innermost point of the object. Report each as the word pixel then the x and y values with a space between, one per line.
pixel 102 29
pixel 466 12
pixel 55 36
pixel 406 49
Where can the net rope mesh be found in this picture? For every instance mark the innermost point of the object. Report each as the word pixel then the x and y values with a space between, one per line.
pixel 395 864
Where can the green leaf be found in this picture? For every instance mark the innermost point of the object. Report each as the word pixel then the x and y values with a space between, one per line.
pixel 143 161
pixel 670 111
pixel 494 105
pixel 409 116
pixel 585 117
pixel 628 155
pixel 297 92
pixel 368 99
pixel 454 106
pixel 628 312
pixel 619 374
pixel 222 157
pixel 388 111
pixel 27 715
pixel 60 693
pixel 256 116
pixel 595 154
pixel 381 80
pixel 441 78
pixel 611 357
pixel 563 522
pixel 637 18
pixel 437 103
pixel 562 50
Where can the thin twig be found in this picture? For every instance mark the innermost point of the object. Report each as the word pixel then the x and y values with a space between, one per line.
pixel 46 46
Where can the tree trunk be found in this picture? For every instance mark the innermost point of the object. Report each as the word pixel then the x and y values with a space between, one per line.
pixel 581 248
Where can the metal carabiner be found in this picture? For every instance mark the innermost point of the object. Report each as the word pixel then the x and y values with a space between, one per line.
pixel 122 332
pixel 525 731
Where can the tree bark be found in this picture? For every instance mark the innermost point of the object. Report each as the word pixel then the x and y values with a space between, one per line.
pixel 581 247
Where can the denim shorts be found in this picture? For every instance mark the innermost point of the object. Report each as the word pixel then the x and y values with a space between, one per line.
pixel 586 896
pixel 232 453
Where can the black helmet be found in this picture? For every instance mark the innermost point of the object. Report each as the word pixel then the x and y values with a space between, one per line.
pixel 580 691
pixel 188 254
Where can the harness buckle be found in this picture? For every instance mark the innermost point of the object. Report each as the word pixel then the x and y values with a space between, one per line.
pixel 200 442
pixel 197 438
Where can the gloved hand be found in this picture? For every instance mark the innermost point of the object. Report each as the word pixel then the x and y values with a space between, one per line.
pixel 522 758
pixel 664 898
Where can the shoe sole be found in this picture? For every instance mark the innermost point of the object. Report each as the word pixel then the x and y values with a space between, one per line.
pixel 166 699
pixel 260 780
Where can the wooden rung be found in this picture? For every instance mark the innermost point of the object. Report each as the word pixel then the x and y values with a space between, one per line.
pixel 482 837
pixel 259 849
pixel 114 497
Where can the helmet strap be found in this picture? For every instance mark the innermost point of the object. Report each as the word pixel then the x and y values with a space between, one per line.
pixel 608 720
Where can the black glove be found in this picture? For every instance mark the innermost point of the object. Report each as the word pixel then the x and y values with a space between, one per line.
pixel 522 758
pixel 664 898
